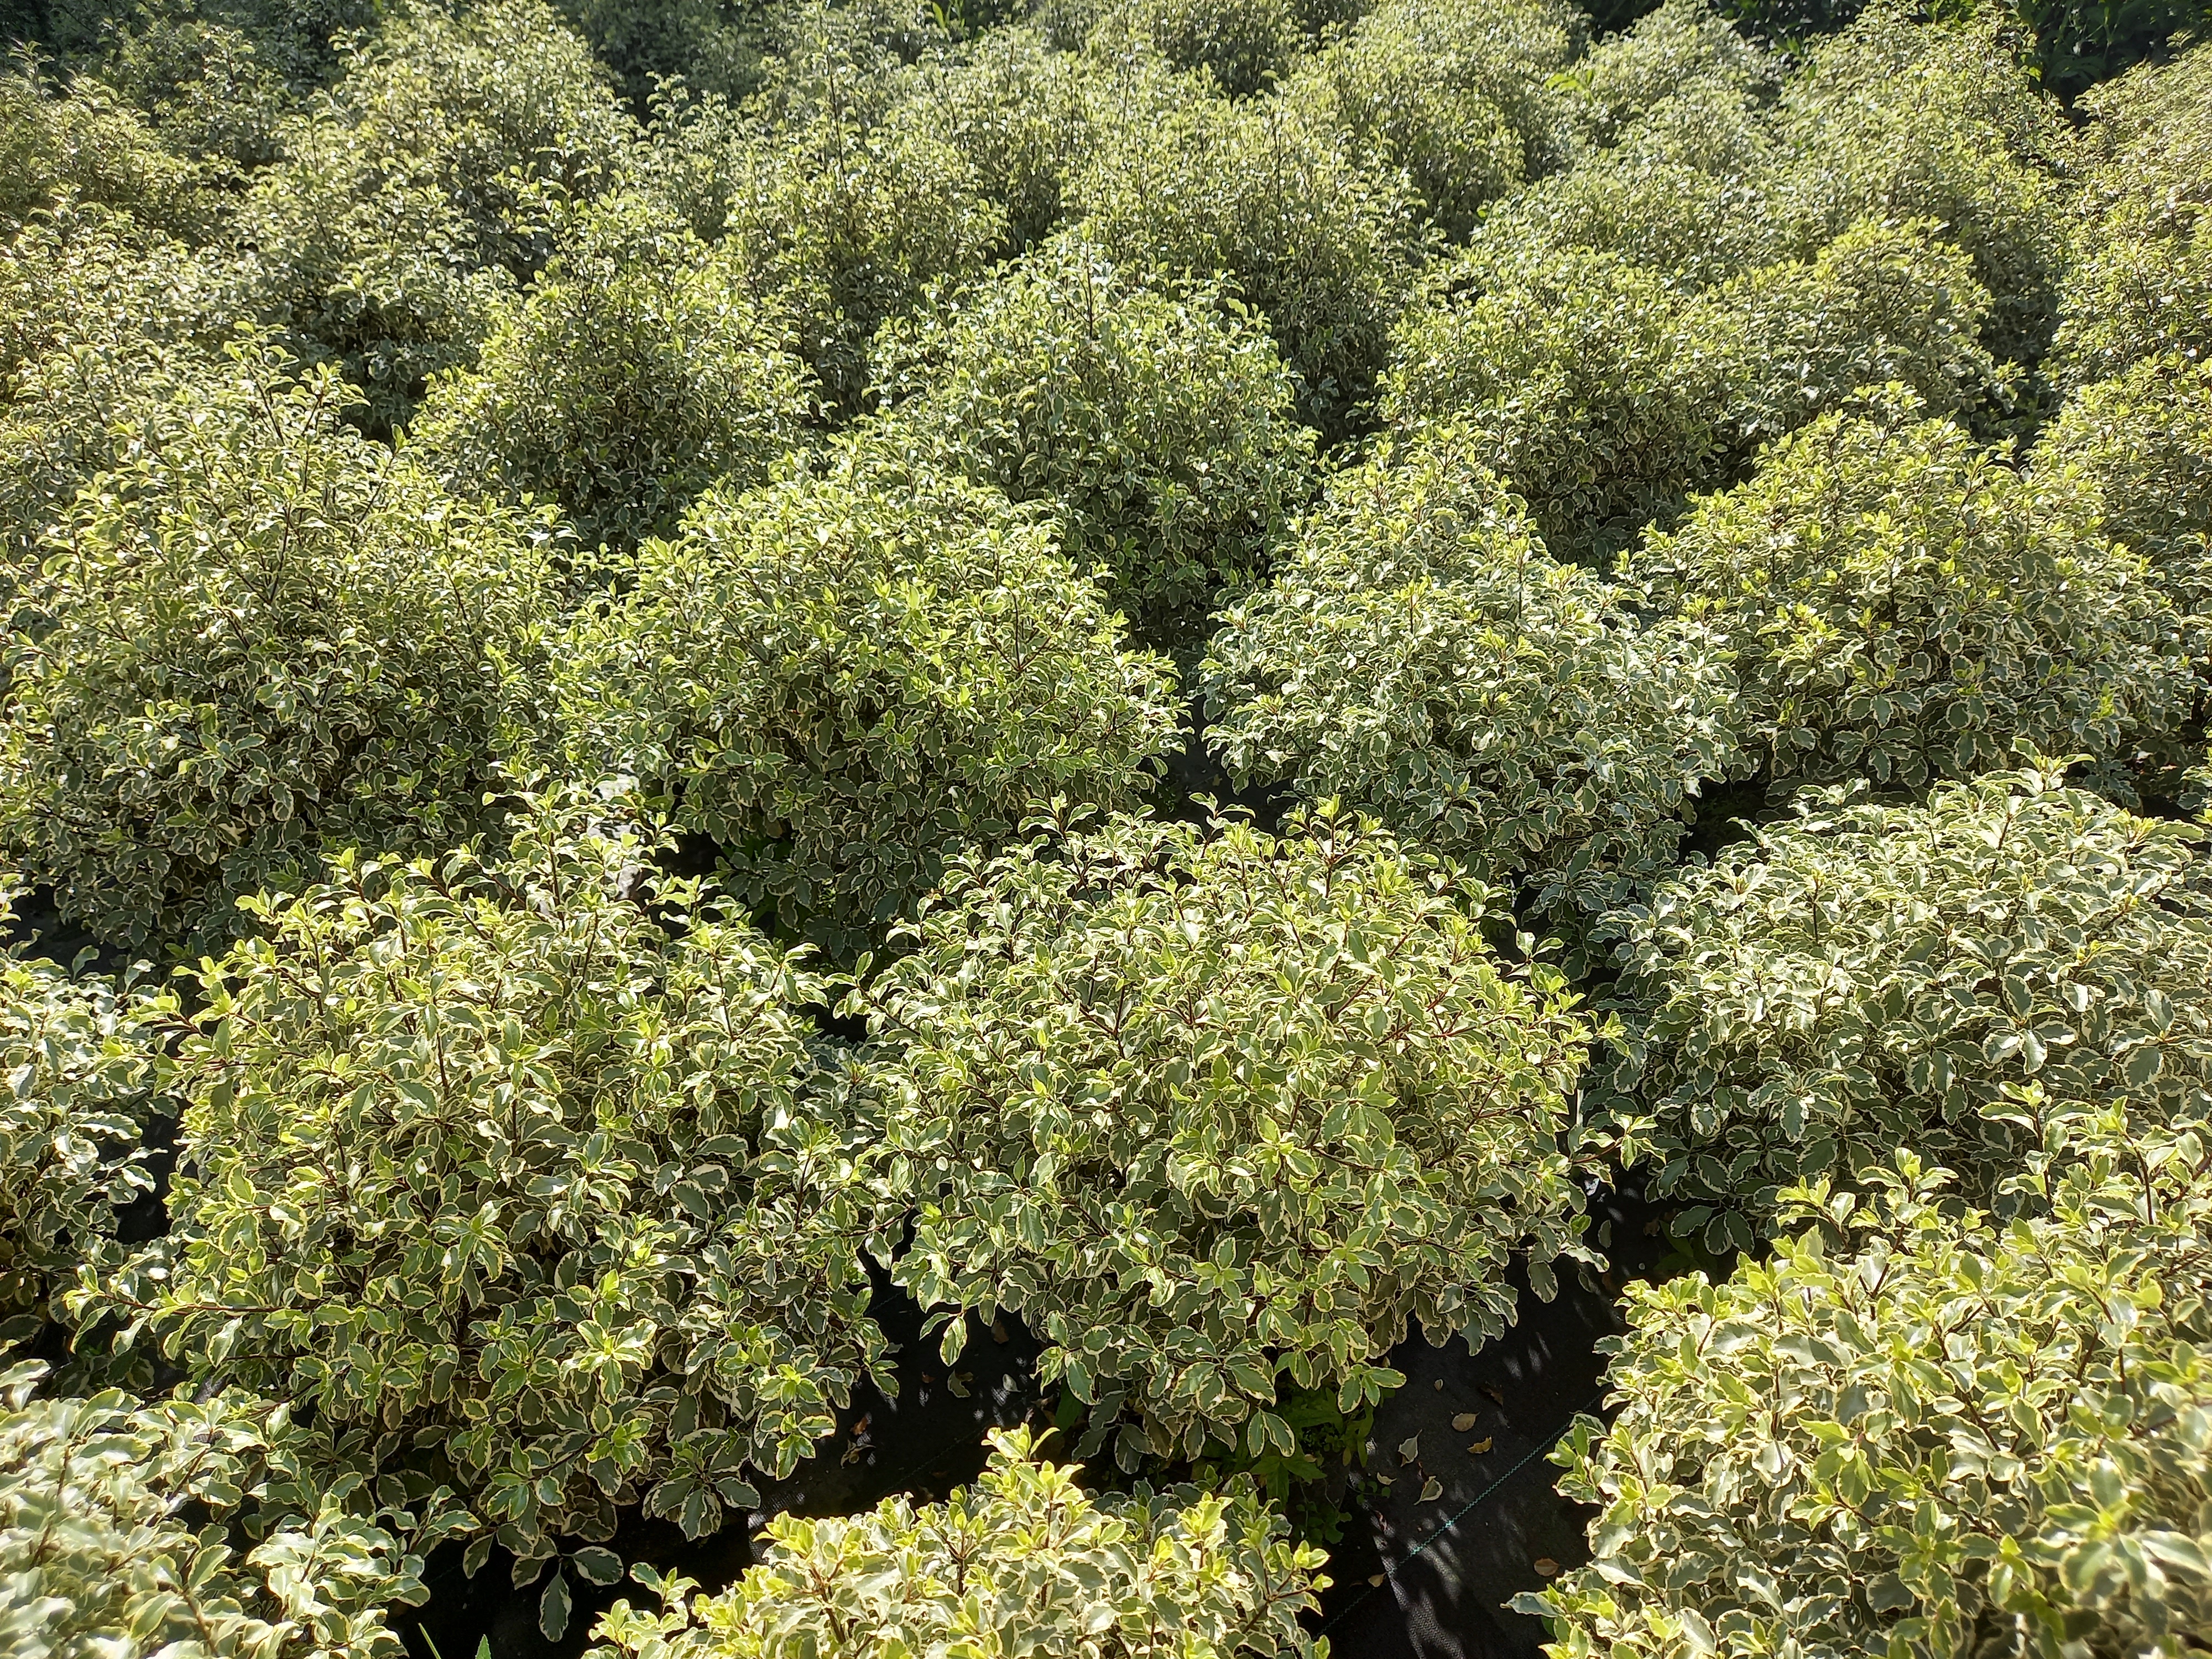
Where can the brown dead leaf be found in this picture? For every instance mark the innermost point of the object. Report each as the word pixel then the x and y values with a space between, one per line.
pixel 1463 1422
pixel 1545 1567
pixel 1481 1446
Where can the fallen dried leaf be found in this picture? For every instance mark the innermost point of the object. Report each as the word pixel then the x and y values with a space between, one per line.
pixel 1463 1422
pixel 1374 1579
pixel 1481 1446
pixel 1438 1385
pixel 1545 1567
pixel 1498 1394
pixel 1433 1490
pixel 1409 1448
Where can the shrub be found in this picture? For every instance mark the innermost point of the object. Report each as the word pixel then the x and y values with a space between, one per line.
pixel 1682 46
pixel 213 94
pixel 846 226
pixel 714 46
pixel 1883 303
pixel 1457 95
pixel 1604 394
pixel 843 675
pixel 259 636
pixel 1592 389
pixel 1900 120
pixel 1953 1437
pixel 417 189
pixel 82 145
pixel 1421 658
pixel 2144 442
pixel 1905 606
pixel 1218 1116
pixel 1156 419
pixel 1865 978
pixel 1317 243
pixel 1243 45
pixel 191 1527
pixel 1025 1553
pixel 517 1185
pixel 95 315
pixel 2134 298
pixel 1023 118
pixel 636 374
pixel 2141 282
pixel 83 1059
pixel 1684 190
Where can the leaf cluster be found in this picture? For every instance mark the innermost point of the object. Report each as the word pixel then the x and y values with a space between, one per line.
pixel 524 1174
pixel 1934 1436
pixel 1419 656
pixel 202 1527
pixel 83 1056
pixel 1025 1560
pixel 1865 978
pixel 1215 1113
pixel 843 675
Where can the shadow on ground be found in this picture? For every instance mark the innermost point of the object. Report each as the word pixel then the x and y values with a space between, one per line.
pixel 1428 1577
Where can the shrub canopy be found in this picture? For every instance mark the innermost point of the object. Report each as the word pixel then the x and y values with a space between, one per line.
pixel 1595 394
pixel 1025 1553
pixel 2143 442
pixel 1420 657
pixel 1941 1437
pixel 418 189
pixel 84 148
pixel 83 1056
pixel 96 316
pixel 1905 606
pixel 1456 93
pixel 1155 417
pixel 1865 978
pixel 843 225
pixel 1219 1115
pixel 2139 283
pixel 1242 46
pixel 844 675
pixel 1311 238
pixel 259 637
pixel 1023 118
pixel 1604 393
pixel 1898 119
pixel 517 1188
pixel 637 372
pixel 139 1531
